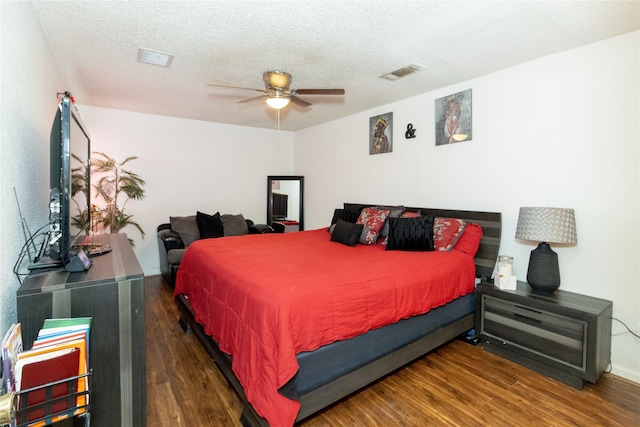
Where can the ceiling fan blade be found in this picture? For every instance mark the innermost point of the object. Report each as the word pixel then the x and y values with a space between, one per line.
pixel 253 98
pixel 299 101
pixel 237 87
pixel 319 91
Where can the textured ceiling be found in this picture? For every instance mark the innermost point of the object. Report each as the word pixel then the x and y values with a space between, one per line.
pixel 323 44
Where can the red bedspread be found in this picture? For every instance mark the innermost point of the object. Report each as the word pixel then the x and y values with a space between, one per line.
pixel 264 298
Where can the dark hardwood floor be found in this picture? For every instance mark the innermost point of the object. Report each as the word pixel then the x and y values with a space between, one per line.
pixel 456 385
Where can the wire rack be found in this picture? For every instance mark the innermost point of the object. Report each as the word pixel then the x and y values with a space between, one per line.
pixel 56 406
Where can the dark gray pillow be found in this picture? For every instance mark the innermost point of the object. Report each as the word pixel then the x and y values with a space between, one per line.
pixel 186 227
pixel 346 233
pixel 394 212
pixel 234 225
pixel 411 234
pixel 210 226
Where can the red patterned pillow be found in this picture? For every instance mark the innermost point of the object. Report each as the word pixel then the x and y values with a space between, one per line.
pixel 373 220
pixel 410 214
pixel 446 232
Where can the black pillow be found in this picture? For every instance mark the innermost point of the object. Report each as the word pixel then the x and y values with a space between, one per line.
pixel 348 215
pixel 346 233
pixel 411 234
pixel 209 225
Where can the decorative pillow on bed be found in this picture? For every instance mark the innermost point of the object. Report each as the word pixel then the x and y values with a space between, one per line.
pixel 469 242
pixel 234 225
pixel 186 227
pixel 348 215
pixel 210 226
pixel 411 234
pixel 408 214
pixel 346 233
pixel 394 212
pixel 405 214
pixel 446 232
pixel 373 220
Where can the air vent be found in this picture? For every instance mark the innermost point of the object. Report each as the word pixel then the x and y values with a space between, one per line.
pixel 154 57
pixel 401 72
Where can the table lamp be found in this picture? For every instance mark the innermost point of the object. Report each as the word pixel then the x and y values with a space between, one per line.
pixel 545 225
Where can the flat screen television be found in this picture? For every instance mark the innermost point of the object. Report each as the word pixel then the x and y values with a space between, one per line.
pixel 70 189
pixel 280 206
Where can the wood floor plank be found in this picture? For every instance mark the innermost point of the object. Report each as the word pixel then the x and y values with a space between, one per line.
pixel 455 385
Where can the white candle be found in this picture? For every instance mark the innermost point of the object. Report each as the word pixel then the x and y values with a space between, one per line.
pixel 505 266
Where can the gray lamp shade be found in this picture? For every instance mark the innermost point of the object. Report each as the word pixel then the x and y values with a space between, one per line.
pixel 551 225
pixel 545 225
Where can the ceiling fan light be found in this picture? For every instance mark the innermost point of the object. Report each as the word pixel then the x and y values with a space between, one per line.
pixel 278 98
pixel 277 102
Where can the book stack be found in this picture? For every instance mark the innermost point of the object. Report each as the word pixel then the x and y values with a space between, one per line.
pixel 51 378
pixel 11 347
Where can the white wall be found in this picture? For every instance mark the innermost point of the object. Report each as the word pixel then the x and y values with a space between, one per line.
pixel 188 165
pixel 562 131
pixel 28 87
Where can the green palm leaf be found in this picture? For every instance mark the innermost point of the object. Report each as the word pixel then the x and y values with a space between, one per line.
pixel 117 182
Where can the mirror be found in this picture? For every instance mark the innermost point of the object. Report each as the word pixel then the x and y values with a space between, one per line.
pixel 285 201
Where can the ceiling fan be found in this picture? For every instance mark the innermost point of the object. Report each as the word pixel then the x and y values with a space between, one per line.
pixel 278 94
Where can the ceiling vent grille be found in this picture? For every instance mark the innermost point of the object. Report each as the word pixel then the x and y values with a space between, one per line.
pixel 402 72
pixel 154 57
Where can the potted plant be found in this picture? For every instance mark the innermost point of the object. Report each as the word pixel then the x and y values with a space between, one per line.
pixel 115 182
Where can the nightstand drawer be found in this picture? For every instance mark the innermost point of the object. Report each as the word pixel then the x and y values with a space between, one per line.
pixel 557 337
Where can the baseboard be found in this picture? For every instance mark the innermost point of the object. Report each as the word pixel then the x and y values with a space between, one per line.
pixel 626 373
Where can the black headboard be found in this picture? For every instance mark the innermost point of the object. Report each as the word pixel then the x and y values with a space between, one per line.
pixel 491 223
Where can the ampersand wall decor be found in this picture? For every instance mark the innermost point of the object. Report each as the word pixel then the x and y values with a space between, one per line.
pixel 411 132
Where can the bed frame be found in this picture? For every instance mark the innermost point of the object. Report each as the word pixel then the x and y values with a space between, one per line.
pixel 323 396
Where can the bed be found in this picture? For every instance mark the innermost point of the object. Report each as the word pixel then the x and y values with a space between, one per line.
pixel 296 321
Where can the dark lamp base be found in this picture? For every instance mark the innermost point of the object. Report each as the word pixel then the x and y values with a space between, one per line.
pixel 544 273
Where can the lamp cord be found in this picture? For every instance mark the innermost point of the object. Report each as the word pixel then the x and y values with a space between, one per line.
pixel 628 329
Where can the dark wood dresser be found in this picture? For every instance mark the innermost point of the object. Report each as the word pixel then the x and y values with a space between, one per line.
pixel 112 293
pixel 564 335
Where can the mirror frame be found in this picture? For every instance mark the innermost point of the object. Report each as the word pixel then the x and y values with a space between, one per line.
pixel 270 180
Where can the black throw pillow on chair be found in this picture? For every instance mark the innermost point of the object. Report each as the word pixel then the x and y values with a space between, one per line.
pixel 209 225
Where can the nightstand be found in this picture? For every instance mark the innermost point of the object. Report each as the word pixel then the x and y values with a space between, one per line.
pixel 564 335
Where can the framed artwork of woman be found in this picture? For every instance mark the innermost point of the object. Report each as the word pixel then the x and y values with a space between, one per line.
pixel 453 118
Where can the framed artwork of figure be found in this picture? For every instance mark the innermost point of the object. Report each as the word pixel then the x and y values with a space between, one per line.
pixel 453 118
pixel 381 134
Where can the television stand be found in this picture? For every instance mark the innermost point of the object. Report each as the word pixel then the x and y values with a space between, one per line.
pixel 112 293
